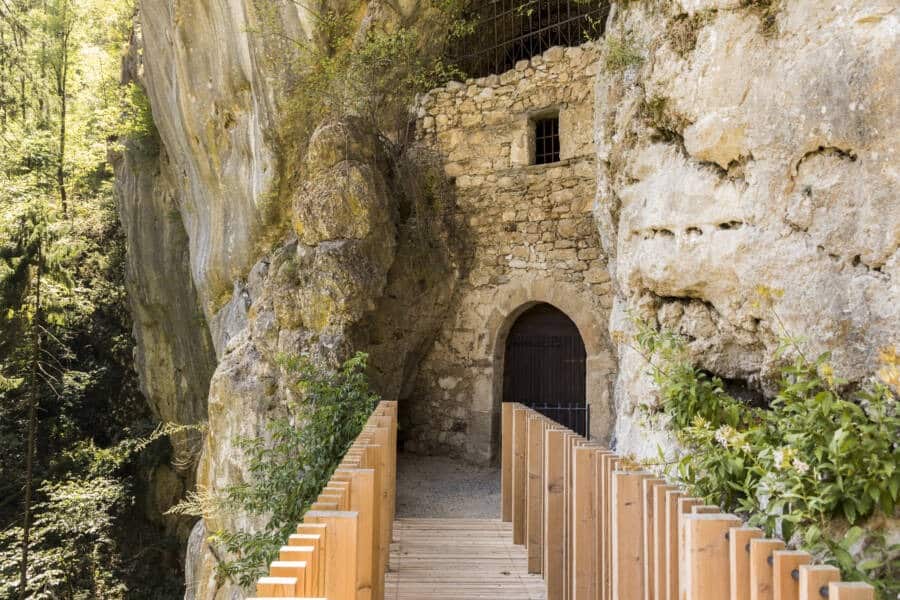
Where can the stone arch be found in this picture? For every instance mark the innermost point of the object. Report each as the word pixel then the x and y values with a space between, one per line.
pixel 511 300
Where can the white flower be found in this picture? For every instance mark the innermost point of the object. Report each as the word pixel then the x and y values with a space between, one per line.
pixel 783 457
pixel 778 457
pixel 726 435
pixel 721 438
pixel 801 466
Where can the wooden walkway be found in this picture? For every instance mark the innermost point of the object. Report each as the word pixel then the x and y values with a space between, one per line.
pixel 458 559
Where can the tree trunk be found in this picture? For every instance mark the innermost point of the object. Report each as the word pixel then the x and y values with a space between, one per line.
pixel 32 424
pixel 61 166
pixel 62 75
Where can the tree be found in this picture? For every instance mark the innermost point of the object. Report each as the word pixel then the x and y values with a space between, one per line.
pixel 68 390
pixel 61 23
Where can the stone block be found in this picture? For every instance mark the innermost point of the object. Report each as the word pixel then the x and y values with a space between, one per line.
pixel 589 253
pixel 567 228
pixel 510 77
pixel 554 54
pixel 596 276
pixel 563 255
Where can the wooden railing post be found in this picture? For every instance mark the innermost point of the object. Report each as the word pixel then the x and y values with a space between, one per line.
pixel 739 555
pixel 602 459
pixel 554 511
pixel 671 568
pixel 585 514
pixel 706 556
pixel 855 590
pixel 627 534
pixel 279 587
pixel 535 492
pixel 786 573
pixel 610 464
pixel 506 461
pixel 362 501
pixel 297 569
pixel 815 580
pixel 685 507
pixel 573 440
pixel 659 540
pixel 761 573
pixel 519 474
pixel 316 534
pixel 340 552
pixel 648 497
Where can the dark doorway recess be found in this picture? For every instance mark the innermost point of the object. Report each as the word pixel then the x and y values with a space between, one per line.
pixel 544 366
pixel 507 31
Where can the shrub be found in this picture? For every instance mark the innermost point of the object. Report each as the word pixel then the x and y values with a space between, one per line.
pixel 621 53
pixel 370 72
pixel 288 472
pixel 819 457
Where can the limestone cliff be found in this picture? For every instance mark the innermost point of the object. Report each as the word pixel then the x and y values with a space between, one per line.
pixel 237 259
pixel 751 144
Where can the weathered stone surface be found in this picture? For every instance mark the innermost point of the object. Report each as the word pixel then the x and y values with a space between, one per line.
pixel 173 354
pixel 338 288
pixel 786 179
pixel 203 218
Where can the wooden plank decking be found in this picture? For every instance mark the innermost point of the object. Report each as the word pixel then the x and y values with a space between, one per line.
pixel 459 559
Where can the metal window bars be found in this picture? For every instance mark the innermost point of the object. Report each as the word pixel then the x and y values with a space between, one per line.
pixel 508 31
pixel 546 140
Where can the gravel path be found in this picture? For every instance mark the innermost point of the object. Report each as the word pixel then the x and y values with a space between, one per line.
pixel 442 487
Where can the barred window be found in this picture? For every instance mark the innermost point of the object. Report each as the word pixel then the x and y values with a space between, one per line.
pixel 546 140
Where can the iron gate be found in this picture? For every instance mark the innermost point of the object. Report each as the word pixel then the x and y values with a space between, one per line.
pixel 545 367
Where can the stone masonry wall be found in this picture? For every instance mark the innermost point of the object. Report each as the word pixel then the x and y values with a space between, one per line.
pixel 529 236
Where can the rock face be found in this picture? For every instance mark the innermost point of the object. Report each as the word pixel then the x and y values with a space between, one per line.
pixel 174 354
pixel 752 150
pixel 751 147
pixel 347 278
pixel 236 259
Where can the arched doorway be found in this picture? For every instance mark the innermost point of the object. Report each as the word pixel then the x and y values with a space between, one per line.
pixel 545 366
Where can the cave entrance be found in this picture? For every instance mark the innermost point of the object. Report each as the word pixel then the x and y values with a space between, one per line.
pixel 545 367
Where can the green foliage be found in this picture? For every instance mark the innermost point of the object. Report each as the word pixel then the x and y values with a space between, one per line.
pixel 289 469
pixel 621 53
pixel 137 124
pixel 72 542
pixel 816 458
pixel 371 73
pixel 76 535
pixel 65 331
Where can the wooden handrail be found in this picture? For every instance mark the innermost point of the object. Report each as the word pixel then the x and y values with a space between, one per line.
pixel 341 550
pixel 599 527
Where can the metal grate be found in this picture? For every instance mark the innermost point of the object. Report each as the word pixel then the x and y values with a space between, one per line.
pixel 508 31
pixel 546 140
